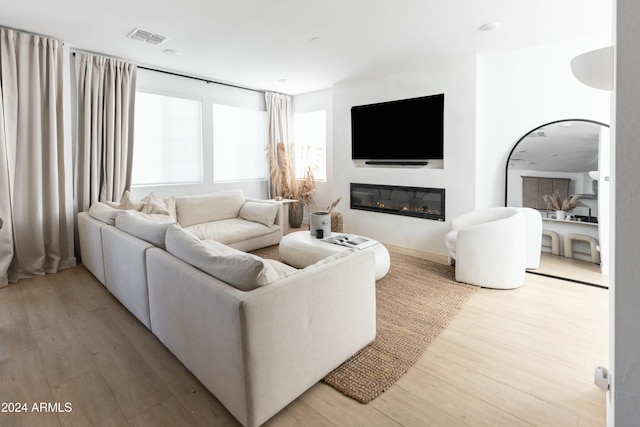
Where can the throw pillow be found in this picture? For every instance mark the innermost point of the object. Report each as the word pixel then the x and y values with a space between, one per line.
pixel 263 213
pixel 155 205
pixel 130 202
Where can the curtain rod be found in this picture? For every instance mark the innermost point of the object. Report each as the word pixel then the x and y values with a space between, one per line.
pixel 184 75
pixel 199 78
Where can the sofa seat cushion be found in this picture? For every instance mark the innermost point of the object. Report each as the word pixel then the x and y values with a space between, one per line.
pixel 199 209
pixel 231 230
pixel 281 268
pixel 239 269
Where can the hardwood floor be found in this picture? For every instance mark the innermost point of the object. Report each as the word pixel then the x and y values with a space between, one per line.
pixel 572 269
pixel 518 358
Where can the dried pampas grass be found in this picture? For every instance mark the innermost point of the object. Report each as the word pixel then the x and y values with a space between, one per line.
pixel 281 171
pixel 554 202
pixel 283 178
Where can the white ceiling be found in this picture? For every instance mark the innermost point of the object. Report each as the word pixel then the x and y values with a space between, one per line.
pixel 567 146
pixel 256 43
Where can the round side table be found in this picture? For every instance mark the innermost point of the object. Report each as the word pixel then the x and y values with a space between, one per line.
pixel 300 249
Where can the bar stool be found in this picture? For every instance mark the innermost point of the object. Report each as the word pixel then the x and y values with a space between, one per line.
pixel 554 243
pixel 594 252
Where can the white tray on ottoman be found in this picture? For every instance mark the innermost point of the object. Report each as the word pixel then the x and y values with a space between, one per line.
pixel 300 249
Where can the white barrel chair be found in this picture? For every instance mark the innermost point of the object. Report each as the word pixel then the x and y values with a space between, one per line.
pixel 533 223
pixel 489 247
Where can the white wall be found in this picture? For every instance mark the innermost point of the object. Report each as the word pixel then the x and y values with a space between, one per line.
pixel 457 80
pixel 490 102
pixel 521 90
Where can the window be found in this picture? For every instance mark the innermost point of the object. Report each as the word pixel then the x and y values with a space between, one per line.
pixel 167 140
pixel 310 136
pixel 239 141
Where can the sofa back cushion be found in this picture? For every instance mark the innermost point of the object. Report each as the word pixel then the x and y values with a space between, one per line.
pixel 332 258
pixel 103 212
pixel 239 269
pixel 150 228
pixel 192 210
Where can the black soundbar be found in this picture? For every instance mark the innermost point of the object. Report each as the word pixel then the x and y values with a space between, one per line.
pixel 397 162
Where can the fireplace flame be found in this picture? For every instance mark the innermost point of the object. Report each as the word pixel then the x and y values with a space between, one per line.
pixel 409 201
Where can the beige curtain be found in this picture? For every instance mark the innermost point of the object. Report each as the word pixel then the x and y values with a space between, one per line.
pixel 33 240
pixel 279 124
pixel 104 154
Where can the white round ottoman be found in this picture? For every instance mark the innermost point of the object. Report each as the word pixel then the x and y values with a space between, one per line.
pixel 300 249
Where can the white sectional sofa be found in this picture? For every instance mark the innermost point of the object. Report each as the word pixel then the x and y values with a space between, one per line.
pixel 227 217
pixel 257 333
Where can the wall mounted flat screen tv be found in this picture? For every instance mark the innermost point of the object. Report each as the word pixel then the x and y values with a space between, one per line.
pixel 408 129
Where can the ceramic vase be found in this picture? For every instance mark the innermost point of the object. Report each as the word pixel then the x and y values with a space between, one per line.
pixel 320 221
pixel 296 211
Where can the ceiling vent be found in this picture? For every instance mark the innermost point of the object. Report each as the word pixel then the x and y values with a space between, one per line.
pixel 146 36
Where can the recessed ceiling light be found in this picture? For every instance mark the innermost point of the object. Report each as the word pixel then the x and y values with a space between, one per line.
pixel 284 81
pixel 172 52
pixel 491 26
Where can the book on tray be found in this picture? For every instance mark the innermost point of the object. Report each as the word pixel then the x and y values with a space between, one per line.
pixel 350 241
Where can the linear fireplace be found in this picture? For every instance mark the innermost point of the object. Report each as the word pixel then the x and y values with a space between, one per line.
pixel 416 202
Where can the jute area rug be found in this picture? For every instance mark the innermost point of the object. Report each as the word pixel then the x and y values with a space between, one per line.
pixel 415 302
